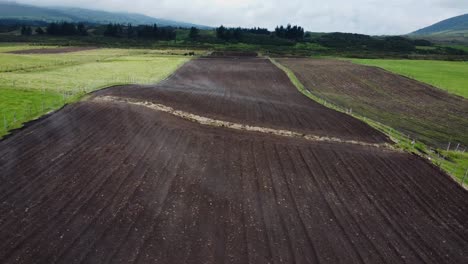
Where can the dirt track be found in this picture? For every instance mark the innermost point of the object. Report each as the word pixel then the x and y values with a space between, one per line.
pixel 111 182
pixel 52 51
pixel 426 113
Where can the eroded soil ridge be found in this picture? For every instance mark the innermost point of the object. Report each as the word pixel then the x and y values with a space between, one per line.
pixel 237 126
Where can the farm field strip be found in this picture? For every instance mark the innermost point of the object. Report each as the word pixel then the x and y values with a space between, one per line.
pixel 232 93
pixel 452 160
pixel 237 126
pixel 146 181
pixel 450 76
pixel 106 180
pixel 36 84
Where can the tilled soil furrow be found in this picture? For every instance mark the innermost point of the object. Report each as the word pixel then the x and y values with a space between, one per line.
pixel 163 228
pixel 92 231
pixel 251 81
pixel 372 228
pixel 127 222
pixel 121 181
pixel 325 215
pixel 425 112
pixel 308 251
pixel 426 203
pixel 349 213
pixel 145 226
pixel 407 250
pixel 23 153
pixel 333 202
pixel 53 185
pixel 54 229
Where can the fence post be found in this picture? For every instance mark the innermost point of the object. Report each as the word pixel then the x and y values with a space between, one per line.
pixel 463 180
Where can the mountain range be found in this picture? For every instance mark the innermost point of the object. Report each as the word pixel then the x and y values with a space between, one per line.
pixel 455 26
pixel 15 11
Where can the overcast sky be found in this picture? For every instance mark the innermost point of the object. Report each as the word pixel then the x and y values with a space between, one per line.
pixel 375 17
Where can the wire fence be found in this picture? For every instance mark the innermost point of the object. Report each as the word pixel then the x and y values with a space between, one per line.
pixel 437 154
pixel 53 99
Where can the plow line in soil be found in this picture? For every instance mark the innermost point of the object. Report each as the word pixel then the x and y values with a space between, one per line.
pixel 237 126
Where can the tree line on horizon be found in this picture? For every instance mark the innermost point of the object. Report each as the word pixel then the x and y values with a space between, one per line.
pixel 155 32
pixel 289 32
pixel 282 36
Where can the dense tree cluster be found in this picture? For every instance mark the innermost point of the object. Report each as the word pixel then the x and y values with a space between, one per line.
pixel 257 30
pixel 40 31
pixel 142 31
pixel 114 30
pixel 227 34
pixel 290 32
pixel 155 32
pixel 26 31
pixel 66 29
pixel 237 33
pixel 194 33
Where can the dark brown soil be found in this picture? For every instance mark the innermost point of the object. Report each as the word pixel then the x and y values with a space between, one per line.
pixel 110 182
pixel 251 91
pixel 52 51
pixel 233 54
pixel 426 113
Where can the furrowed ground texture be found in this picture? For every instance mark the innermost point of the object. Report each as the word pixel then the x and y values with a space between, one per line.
pixel 424 112
pixel 112 182
pixel 251 91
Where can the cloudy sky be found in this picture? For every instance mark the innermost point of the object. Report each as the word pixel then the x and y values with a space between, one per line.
pixel 360 16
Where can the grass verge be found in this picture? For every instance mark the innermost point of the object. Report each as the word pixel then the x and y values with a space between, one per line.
pixel 454 163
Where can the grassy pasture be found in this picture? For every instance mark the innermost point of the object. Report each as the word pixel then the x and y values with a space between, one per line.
pixel 451 76
pixel 6 47
pixel 32 85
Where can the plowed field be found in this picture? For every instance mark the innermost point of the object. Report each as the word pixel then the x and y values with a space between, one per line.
pixel 251 91
pixel 420 110
pixel 112 182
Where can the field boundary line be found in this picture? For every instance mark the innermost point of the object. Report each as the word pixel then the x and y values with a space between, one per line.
pixel 238 126
pixel 401 142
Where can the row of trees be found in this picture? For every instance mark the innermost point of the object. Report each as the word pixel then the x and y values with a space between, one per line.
pixel 57 29
pixel 288 32
pixel 142 31
pixel 66 29
pixel 26 31
pixel 228 34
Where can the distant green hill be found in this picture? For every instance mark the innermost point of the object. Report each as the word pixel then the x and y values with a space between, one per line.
pixel 455 26
pixel 16 11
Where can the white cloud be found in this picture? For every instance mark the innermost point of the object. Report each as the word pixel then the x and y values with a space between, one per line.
pixel 360 16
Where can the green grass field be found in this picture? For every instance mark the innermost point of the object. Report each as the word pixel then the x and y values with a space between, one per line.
pixel 32 85
pixel 451 76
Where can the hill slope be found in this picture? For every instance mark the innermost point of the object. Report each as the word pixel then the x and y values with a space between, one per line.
pixel 453 26
pixel 52 14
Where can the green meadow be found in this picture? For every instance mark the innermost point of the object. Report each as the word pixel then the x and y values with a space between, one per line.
pixel 32 85
pixel 451 76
